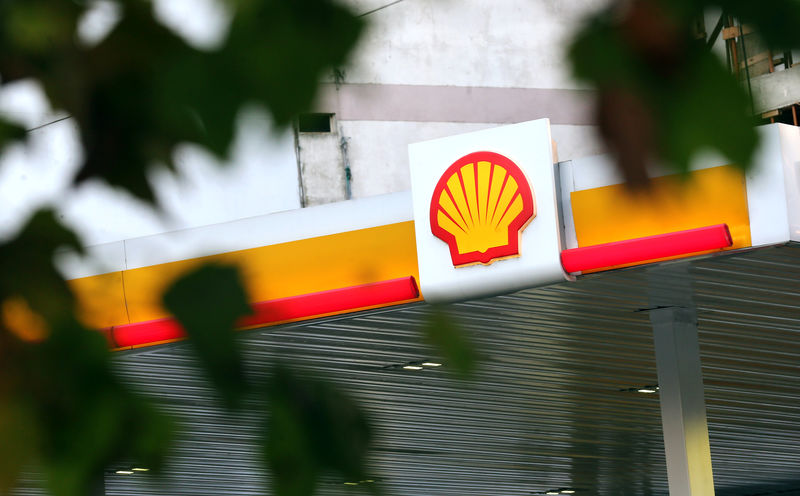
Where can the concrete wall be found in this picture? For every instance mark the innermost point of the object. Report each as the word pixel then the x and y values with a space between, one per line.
pixel 321 166
pixel 432 68
pixel 499 43
pixel 379 160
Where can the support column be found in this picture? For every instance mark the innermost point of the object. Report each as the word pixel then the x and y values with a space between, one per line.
pixel 683 410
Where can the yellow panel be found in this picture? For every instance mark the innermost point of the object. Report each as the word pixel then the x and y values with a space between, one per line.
pixel 101 300
pixel 709 196
pixel 289 269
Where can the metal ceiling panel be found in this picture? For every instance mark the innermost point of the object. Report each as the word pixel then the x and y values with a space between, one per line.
pixel 549 407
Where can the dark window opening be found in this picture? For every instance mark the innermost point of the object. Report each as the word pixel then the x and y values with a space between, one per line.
pixel 314 123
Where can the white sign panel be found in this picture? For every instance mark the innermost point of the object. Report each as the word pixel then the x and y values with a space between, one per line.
pixel 485 212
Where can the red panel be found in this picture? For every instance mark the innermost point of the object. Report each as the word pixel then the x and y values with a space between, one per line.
pixel 336 300
pixel 146 332
pixel 647 248
pixel 284 309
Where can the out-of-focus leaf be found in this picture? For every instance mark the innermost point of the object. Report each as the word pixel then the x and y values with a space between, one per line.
pixel 600 55
pixel 313 429
pixel 313 36
pixel 19 440
pixel 18 318
pixel 706 108
pixel 9 132
pixel 207 302
pixel 451 342
pixel 35 35
pixel 626 125
pixel 142 89
pixel 775 21
pixel 107 422
pixel 83 418
pixel 27 270
pixel 662 97
pixel 288 449
pixel 127 122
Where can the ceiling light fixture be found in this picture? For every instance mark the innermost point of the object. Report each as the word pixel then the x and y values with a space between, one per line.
pixel 567 491
pixel 140 469
pixel 124 472
pixel 646 389
pixel 414 365
pixel 551 492
pixel 365 481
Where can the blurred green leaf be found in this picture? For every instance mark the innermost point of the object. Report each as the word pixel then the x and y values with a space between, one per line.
pixel 19 440
pixel 83 418
pixel 142 89
pixel 600 55
pixel 313 429
pixel 27 269
pixel 9 132
pixel 775 21
pixel 207 302
pixel 451 342
pixel 662 96
pixel 35 36
pixel 313 36
pixel 134 96
pixel 708 108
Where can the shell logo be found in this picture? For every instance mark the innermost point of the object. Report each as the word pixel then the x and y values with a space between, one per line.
pixel 480 206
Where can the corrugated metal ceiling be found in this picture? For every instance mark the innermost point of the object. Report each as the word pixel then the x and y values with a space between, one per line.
pixel 546 410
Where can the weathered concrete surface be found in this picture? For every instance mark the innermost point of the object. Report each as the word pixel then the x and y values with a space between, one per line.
pixel 431 68
pixel 321 167
pixel 776 90
pixel 507 44
pixel 378 150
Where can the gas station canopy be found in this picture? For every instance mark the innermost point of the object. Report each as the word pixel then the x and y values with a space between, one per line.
pixel 560 276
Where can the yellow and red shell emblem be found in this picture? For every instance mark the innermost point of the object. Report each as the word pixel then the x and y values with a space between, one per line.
pixel 480 206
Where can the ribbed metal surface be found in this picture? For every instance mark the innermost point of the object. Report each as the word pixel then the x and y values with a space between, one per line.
pixel 546 410
pixel 750 343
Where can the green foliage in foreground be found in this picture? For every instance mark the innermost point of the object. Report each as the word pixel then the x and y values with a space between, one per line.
pixel 143 89
pixel 661 94
pixel 62 407
pixel 134 96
